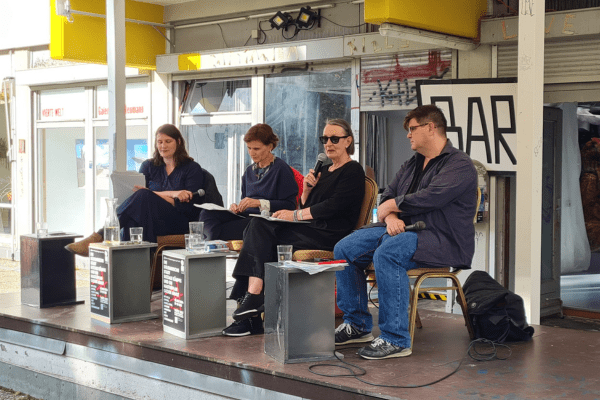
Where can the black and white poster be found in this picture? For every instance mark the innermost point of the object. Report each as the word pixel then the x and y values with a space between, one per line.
pixel 99 301
pixel 481 115
pixel 173 292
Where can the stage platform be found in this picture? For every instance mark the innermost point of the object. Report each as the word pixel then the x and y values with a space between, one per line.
pixel 62 353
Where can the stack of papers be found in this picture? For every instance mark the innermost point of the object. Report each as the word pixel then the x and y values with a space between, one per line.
pixel 313 267
pixel 123 183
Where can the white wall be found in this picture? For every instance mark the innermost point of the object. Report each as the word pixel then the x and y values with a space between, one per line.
pixel 25 23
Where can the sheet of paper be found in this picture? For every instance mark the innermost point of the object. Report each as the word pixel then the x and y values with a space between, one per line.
pixel 314 268
pixel 279 220
pixel 123 183
pixel 216 207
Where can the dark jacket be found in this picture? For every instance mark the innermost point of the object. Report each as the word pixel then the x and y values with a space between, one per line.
pixel 445 200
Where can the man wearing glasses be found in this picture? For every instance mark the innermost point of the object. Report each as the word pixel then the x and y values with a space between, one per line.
pixel 438 186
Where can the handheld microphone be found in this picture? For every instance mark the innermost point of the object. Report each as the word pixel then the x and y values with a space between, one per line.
pixel 321 158
pixel 417 226
pixel 199 193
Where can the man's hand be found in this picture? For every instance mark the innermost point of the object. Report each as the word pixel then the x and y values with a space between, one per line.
pixel 386 208
pixel 394 225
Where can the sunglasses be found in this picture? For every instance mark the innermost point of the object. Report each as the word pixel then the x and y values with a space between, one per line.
pixel 334 139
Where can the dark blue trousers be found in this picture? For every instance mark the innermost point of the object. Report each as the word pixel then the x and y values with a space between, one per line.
pixel 148 210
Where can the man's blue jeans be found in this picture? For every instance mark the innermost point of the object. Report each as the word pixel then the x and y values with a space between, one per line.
pixel 391 256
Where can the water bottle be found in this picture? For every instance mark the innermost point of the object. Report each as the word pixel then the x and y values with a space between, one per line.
pixel 112 229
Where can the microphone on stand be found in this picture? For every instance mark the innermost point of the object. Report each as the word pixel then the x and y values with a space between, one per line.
pixel 321 158
pixel 417 226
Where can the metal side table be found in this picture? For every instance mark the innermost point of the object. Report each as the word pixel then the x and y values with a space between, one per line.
pixel 119 282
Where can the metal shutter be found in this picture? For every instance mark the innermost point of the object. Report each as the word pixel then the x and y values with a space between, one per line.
pixel 387 83
pixel 564 61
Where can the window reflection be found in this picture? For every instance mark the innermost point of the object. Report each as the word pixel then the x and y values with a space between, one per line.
pixel 297 107
pixel 220 96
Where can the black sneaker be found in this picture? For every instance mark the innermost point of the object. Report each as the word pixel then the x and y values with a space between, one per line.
pixel 245 327
pixel 380 349
pixel 346 333
pixel 250 306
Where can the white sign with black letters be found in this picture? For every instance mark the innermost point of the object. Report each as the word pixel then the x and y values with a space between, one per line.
pixel 481 115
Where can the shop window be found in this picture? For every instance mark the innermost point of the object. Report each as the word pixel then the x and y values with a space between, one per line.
pixel 297 106
pixel 136 101
pixel 218 96
pixel 62 104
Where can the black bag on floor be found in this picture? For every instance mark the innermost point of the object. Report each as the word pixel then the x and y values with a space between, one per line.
pixel 497 314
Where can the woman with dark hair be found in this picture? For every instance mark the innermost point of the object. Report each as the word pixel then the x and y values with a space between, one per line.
pixel 268 184
pixel 330 203
pixel 165 205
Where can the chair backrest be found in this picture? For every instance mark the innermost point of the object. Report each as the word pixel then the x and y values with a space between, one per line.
pixel 210 187
pixel 366 210
pixel 299 181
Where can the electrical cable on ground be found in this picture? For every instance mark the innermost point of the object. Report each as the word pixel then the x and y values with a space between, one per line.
pixel 477 356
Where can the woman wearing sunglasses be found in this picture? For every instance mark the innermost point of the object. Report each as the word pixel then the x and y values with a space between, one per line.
pixel 330 204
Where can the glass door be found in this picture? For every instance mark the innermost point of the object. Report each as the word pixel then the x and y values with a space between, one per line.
pixel 72 153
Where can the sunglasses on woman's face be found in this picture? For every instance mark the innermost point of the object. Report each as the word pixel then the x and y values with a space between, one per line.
pixel 334 139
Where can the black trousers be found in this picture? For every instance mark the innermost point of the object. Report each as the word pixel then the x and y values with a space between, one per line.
pixel 221 225
pixel 261 238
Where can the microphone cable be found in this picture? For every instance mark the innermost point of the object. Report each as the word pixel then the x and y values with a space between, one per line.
pixel 472 352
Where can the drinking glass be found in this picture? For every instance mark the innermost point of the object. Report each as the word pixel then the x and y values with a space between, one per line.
pixel 135 235
pixel 197 229
pixel 284 252
pixel 42 229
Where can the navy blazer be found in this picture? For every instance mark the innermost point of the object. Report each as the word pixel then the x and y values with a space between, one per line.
pixel 445 200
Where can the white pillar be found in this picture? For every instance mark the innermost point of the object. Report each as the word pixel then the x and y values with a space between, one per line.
pixel 115 57
pixel 530 117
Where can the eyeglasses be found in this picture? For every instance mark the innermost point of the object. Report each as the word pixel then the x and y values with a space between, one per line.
pixel 334 139
pixel 411 129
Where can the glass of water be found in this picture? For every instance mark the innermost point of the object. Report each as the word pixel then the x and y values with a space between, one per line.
pixel 41 229
pixel 194 243
pixel 284 252
pixel 136 235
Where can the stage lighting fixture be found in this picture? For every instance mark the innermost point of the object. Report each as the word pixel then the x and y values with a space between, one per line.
pixel 281 20
pixel 306 18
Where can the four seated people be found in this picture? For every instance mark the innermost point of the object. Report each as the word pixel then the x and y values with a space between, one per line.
pixel 437 185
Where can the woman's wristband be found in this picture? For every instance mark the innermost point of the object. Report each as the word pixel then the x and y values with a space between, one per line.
pixel 295 215
pixel 300 215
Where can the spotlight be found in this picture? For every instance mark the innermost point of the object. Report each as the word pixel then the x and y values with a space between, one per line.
pixel 281 20
pixel 306 18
